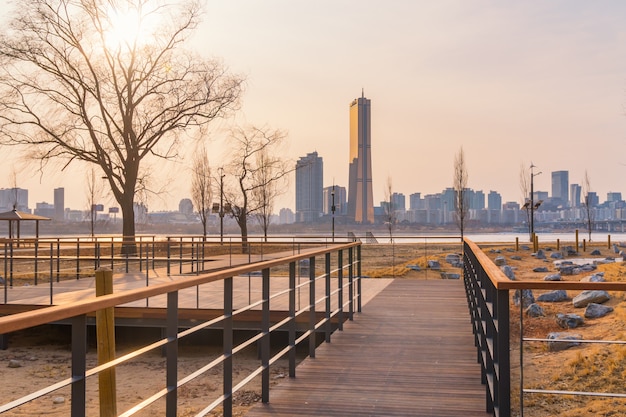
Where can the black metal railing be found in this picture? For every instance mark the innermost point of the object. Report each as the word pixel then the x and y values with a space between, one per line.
pixel 488 290
pixel 325 311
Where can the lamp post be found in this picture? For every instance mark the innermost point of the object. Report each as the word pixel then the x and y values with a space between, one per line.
pixel 532 203
pixel 332 209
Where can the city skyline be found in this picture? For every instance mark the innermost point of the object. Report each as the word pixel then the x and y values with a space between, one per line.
pixel 514 83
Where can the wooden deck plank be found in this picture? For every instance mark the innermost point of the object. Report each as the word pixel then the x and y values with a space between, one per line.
pixel 410 353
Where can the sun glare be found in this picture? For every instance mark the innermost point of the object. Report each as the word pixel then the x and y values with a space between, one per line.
pixel 129 27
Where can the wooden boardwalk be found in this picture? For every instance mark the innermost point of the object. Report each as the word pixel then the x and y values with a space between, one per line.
pixel 409 353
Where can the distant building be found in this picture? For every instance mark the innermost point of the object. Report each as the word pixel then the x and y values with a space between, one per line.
pixel 286 216
pixel 540 195
pixel 45 209
pixel 448 197
pixel 594 200
pixel 309 188
pixel 398 201
pixel 141 213
pixel 560 186
pixel 478 200
pixel 14 198
pixel 341 206
pixel 494 201
pixel 574 195
pixel 415 201
pixel 613 197
pixel 59 204
pixel 360 195
pixel 185 206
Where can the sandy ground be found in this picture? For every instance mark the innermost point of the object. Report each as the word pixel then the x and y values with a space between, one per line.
pixel 43 360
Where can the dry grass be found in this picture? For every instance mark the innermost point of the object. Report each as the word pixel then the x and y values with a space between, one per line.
pixel 585 368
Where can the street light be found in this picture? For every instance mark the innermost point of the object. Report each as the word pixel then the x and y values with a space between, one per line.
pixel 533 206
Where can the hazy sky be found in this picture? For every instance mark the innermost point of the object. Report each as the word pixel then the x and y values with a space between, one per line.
pixel 512 82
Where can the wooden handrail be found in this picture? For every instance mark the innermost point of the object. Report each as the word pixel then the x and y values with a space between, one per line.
pixel 502 282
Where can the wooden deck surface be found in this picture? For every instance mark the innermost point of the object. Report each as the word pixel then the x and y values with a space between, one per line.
pixel 409 353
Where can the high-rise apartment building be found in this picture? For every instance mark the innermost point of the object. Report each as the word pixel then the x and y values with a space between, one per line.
pixel 415 201
pixel 14 198
pixel 613 196
pixel 339 200
pixel 59 204
pixel 560 186
pixel 360 195
pixel 309 186
pixel 398 202
pixel 575 191
pixel 494 200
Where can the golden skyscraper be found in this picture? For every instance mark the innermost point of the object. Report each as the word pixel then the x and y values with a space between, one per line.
pixel 360 197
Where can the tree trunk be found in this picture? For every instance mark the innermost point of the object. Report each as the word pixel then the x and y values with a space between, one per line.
pixel 243 225
pixel 129 246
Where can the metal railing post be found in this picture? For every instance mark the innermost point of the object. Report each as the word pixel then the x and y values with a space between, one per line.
pixel 312 307
pixel 180 253
pixel 58 260
pixel 79 364
pixel 11 263
pixel 227 343
pixel 327 325
pixel 51 275
pixel 168 255
pixel 36 259
pixel 292 319
pixel 502 348
pixel 172 354
pixel 265 340
pixel 358 283
pixel 5 285
pixel 351 284
pixel 77 259
pixel 340 288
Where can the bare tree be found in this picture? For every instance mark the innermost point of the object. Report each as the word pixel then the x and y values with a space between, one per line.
pixel 587 204
pixel 77 82
pixel 270 178
pixel 256 173
pixel 15 190
pixel 390 209
pixel 461 205
pixel 524 185
pixel 95 191
pixel 201 191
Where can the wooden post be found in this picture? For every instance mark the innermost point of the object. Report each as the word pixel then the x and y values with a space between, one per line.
pixel 576 240
pixel 517 244
pixel 584 245
pixel 105 333
pixel 609 240
pixel 558 244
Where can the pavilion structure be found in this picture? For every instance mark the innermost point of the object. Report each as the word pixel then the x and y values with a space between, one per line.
pixel 15 217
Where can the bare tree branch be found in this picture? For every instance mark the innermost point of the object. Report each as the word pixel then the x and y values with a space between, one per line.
pixel 258 173
pixel 65 88
pixel 201 186
pixel 461 205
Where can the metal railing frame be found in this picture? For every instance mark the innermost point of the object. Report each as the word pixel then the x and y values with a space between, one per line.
pixel 42 258
pixel 487 290
pixel 77 313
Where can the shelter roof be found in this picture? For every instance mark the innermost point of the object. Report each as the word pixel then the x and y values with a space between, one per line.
pixel 20 215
